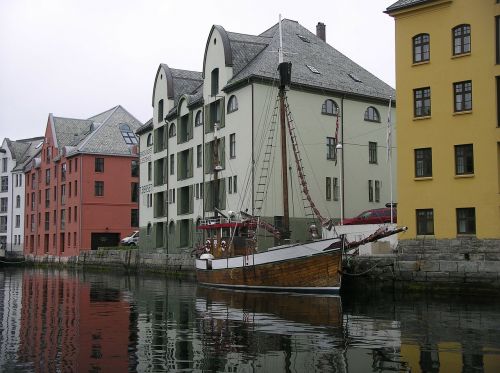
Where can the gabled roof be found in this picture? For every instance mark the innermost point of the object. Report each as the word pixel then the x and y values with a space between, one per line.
pixel 24 150
pixel 99 134
pixel 179 82
pixel 146 127
pixel 336 72
pixel 402 4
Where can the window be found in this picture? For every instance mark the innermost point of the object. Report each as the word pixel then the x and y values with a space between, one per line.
pixel 464 159
pixel 463 95
pixel 466 220
pixel 498 100
pixel 328 188
pixel 313 69
pixel 5 184
pixel 425 222
pixel 422 102
pixel 76 187
pixel 70 166
pixel 198 119
pixel 128 134
pixel 149 140
pixel 329 107
pixel 423 162
pixel 232 145
pixel 134 190
pixel 497 21
pixel 172 163
pixel 47 197
pixel 47 176
pixel 69 189
pixel 150 170
pixel 230 183
pixel 370 190
pixel 372 152
pixel 160 111
pixel 232 104
pixel 134 171
pixel 199 156
pixel 148 229
pixel 421 48
pixel 4 164
pixel 3 204
pixel 99 188
pixel 372 115
pixel 171 130
pixel 215 82
pixel 461 39
pixel 377 190
pixel 76 214
pixel 18 201
pixel 99 165
pixel 76 164
pixel 335 189
pixel 18 221
pixel 63 194
pixel 235 184
pixel 330 148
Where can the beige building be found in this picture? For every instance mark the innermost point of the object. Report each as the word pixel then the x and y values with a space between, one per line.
pixel 232 103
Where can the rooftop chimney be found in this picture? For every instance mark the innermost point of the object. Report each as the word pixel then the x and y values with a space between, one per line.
pixel 321 31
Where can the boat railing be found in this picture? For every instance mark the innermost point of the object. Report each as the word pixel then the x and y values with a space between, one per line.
pixel 218 220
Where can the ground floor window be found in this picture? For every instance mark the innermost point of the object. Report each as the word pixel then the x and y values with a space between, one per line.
pixel 425 222
pixel 466 220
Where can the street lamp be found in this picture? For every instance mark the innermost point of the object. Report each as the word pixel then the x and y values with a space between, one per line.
pixel 340 153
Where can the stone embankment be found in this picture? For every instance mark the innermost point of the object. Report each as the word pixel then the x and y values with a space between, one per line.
pixel 455 264
pixel 466 264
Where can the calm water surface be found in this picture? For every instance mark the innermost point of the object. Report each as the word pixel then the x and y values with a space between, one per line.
pixel 63 321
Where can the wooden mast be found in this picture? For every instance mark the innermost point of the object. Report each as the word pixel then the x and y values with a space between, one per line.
pixel 285 71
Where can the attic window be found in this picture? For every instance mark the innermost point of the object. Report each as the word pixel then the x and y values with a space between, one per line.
pixel 303 38
pixel 355 78
pixel 313 69
pixel 128 134
pixel 38 146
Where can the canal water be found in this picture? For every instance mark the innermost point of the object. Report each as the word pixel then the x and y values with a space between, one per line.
pixel 68 321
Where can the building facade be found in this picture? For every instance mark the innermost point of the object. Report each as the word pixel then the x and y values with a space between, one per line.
pixel 13 156
pixel 210 143
pixel 448 88
pixel 82 189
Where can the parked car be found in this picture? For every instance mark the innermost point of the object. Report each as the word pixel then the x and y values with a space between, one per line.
pixel 131 240
pixel 375 216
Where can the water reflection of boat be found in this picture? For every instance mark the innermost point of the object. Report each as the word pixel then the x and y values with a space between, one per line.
pixel 276 312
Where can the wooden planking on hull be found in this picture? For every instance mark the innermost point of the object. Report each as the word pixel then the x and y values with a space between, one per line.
pixel 321 271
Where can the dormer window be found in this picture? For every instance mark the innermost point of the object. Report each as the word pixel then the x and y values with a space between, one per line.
pixel 214 81
pixel 372 115
pixel 198 120
pixel 128 134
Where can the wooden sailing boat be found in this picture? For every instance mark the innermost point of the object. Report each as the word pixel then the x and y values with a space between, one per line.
pixel 230 256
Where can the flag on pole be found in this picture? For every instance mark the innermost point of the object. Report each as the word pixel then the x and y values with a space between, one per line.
pixel 389 134
pixel 336 135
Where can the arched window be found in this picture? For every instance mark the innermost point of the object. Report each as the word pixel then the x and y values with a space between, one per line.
pixel 461 39
pixel 372 115
pixel 232 104
pixel 171 130
pixel 329 107
pixel 150 140
pixel 421 48
pixel 198 120
pixel 215 81
pixel 148 229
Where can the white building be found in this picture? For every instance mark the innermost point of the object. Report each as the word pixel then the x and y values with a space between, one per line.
pixel 232 102
pixel 13 156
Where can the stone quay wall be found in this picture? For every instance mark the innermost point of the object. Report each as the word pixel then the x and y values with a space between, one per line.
pixel 454 264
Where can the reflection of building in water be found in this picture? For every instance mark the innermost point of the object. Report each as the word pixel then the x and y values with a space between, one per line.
pixel 10 313
pixel 72 326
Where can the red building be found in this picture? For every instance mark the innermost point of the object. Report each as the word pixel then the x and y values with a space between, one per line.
pixel 82 188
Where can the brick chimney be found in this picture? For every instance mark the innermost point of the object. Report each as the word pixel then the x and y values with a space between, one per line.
pixel 321 31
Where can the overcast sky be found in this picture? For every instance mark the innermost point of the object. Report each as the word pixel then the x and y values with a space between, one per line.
pixel 77 58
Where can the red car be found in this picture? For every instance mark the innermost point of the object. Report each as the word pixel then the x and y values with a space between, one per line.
pixel 375 216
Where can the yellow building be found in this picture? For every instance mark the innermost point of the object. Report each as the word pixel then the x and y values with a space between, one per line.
pixel 448 94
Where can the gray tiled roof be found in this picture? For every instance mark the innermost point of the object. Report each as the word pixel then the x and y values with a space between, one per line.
pixel 148 126
pixel 245 48
pixel 334 68
pixel 401 4
pixel 185 82
pixel 24 150
pixel 107 138
pixel 70 131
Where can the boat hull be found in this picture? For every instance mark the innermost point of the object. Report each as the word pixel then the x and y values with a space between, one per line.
pixel 311 268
